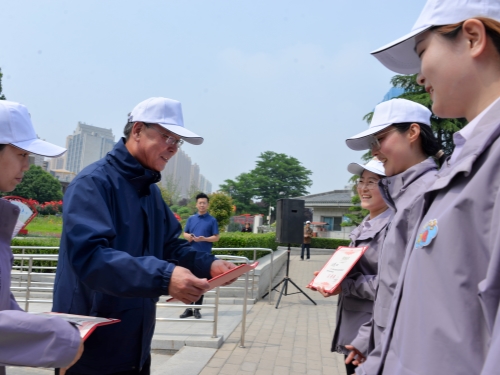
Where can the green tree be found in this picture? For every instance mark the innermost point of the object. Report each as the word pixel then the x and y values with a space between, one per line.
pixel 275 176
pixel 2 96
pixel 221 207
pixel 242 191
pixel 39 185
pixel 443 128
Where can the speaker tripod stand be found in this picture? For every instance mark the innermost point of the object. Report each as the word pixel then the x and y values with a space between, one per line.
pixel 285 281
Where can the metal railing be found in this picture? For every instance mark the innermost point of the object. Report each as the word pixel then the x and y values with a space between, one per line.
pixel 26 278
pixel 254 258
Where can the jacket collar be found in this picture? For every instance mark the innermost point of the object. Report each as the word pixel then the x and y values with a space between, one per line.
pixel 392 188
pixel 9 214
pixel 370 228
pixel 486 131
pixel 128 166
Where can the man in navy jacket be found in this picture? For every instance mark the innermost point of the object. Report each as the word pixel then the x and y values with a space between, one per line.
pixel 120 246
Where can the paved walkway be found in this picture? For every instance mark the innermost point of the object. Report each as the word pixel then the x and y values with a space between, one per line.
pixel 293 339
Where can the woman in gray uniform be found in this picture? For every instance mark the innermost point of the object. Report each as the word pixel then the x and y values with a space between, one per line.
pixel 25 339
pixel 401 137
pixel 357 290
pixel 445 317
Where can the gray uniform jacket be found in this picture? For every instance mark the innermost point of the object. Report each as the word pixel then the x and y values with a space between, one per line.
pixel 401 193
pixel 355 303
pixel 25 339
pixel 445 313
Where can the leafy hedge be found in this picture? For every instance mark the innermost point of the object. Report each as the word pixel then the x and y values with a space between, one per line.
pixel 46 242
pixel 238 239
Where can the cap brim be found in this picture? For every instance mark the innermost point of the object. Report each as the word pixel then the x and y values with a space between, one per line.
pixel 39 147
pixel 361 141
pixel 186 135
pixel 400 56
pixel 358 169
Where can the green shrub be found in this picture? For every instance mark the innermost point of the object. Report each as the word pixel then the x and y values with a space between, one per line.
pixel 238 239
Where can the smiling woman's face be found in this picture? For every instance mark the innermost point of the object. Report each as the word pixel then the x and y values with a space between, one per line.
pixel 13 163
pixel 445 73
pixel 369 192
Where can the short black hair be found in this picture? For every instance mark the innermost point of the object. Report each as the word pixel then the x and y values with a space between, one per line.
pixel 201 196
pixel 2 146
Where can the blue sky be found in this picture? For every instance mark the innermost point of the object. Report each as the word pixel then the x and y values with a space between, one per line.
pixel 293 77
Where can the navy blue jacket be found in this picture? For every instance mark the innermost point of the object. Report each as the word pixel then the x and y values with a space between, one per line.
pixel 119 246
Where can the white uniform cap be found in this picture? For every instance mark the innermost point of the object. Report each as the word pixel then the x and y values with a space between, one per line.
pixel 17 130
pixel 394 111
pixel 400 56
pixel 166 113
pixel 374 166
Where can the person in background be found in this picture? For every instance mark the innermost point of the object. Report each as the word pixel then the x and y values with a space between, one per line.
pixel 120 247
pixel 445 315
pixel 25 339
pixel 357 291
pixel 201 231
pixel 247 228
pixel 306 243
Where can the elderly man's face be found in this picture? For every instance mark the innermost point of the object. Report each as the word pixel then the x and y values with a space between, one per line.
pixel 152 150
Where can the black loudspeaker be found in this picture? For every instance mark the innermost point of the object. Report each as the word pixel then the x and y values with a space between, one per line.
pixel 290 221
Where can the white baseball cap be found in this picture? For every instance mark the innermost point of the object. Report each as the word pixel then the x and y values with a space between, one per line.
pixel 374 166
pixel 394 111
pixel 308 222
pixel 166 113
pixel 400 56
pixel 17 130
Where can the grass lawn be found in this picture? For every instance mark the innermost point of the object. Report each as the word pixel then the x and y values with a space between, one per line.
pixel 46 225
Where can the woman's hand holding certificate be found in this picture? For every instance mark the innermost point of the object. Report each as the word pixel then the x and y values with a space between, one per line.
pixel 336 269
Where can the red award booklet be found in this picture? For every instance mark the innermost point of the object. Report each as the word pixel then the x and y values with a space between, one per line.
pixel 85 324
pixel 337 268
pixel 227 276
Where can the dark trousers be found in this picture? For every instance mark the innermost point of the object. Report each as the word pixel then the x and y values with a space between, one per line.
pixel 146 369
pixel 308 247
pixel 199 302
pixel 350 368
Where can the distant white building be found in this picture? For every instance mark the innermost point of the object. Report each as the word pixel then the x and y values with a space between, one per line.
pixel 186 176
pixel 63 175
pixel 87 145
pixel 330 208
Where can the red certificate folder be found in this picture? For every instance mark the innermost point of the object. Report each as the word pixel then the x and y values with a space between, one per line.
pixel 337 268
pixel 85 324
pixel 227 276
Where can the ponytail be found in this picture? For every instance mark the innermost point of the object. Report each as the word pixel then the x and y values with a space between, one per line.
pixel 429 142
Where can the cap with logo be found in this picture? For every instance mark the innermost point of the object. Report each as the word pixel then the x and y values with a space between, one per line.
pixel 394 111
pixel 374 166
pixel 400 56
pixel 17 130
pixel 166 113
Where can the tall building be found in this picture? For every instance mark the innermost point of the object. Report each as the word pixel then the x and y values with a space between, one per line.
pixel 194 177
pixel 87 145
pixel 183 175
pixel 57 163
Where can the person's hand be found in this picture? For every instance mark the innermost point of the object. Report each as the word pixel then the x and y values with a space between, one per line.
pixel 219 267
pixel 325 294
pixel 185 286
pixel 199 239
pixel 355 356
pixel 79 353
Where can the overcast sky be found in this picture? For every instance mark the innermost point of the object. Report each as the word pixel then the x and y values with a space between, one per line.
pixel 293 77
